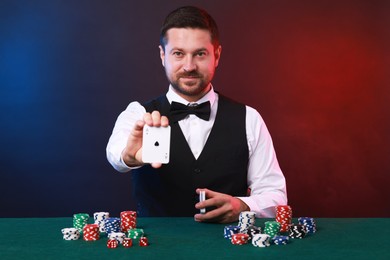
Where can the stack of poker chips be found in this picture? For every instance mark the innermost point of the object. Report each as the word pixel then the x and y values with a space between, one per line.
pixel 239 239
pixel 128 220
pixel 91 232
pixel 261 240
pixel 120 236
pixel 228 231
pixel 280 240
pixel 135 233
pixel 70 233
pixel 271 228
pixel 284 217
pixel 253 230
pixel 99 218
pixel 309 224
pixel 112 225
pixel 80 220
pixel 246 220
pixel 297 231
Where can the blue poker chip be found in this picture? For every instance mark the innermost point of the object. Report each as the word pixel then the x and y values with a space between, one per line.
pixel 228 231
pixel 112 225
pixel 280 240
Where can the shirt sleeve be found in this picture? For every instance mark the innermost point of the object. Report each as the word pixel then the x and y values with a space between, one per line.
pixel 118 139
pixel 265 178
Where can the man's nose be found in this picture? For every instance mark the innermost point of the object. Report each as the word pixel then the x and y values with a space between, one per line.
pixel 189 64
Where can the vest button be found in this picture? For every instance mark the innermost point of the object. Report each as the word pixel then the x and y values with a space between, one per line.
pixel 197 170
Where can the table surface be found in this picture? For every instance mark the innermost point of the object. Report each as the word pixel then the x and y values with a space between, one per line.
pixel 183 238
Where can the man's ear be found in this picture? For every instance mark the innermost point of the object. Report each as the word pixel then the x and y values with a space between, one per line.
pixel 217 55
pixel 162 55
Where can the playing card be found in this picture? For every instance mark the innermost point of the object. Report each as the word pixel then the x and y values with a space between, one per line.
pixel 202 197
pixel 156 144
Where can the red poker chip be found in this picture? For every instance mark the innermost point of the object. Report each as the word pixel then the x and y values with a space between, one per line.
pixel 239 239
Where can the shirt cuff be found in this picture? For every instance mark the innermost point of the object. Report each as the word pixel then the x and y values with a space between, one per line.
pixel 269 212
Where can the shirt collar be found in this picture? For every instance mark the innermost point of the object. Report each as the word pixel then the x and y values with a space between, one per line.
pixel 173 96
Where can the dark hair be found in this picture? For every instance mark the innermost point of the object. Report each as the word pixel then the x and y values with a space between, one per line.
pixel 190 17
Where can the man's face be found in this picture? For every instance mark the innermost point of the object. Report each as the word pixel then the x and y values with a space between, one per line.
pixel 189 60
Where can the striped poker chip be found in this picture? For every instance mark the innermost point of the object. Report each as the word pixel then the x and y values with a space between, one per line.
pixel 91 232
pixel 261 240
pixel 99 218
pixel 119 236
pixel 272 228
pixel 253 230
pixel 128 220
pixel 112 225
pixel 308 223
pixel 135 233
pixel 280 240
pixel 284 217
pixel 239 239
pixel 70 233
pixel 80 220
pixel 297 231
pixel 228 231
pixel 246 219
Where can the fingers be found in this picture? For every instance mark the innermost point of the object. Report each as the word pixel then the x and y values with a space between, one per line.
pixel 216 215
pixel 132 154
pixel 155 119
pixel 227 208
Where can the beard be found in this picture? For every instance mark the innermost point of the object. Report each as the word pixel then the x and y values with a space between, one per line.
pixel 190 84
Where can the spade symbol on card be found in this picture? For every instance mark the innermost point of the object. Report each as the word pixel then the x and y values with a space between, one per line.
pixel 156 143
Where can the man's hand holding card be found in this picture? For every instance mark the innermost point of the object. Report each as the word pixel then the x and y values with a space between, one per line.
pixel 156 144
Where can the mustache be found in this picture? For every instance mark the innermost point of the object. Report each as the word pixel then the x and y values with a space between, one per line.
pixel 189 74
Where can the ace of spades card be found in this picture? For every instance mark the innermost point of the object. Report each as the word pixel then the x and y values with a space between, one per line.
pixel 156 144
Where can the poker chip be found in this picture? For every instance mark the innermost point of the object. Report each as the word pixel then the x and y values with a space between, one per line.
pixel 112 225
pixel 261 240
pixel 119 236
pixel 135 233
pixel 143 241
pixel 271 228
pixel 119 230
pixel 127 242
pixel 91 232
pixel 128 220
pixel 284 217
pixel 297 231
pixel 280 240
pixel 245 220
pixel 228 231
pixel 70 233
pixel 99 218
pixel 309 224
pixel 112 243
pixel 253 230
pixel 80 220
pixel 239 239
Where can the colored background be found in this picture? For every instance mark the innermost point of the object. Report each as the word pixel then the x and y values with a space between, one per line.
pixel 318 72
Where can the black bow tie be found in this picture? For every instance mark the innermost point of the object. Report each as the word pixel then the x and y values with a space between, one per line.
pixel 180 111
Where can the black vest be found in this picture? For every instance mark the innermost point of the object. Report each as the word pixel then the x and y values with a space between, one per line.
pixel 222 165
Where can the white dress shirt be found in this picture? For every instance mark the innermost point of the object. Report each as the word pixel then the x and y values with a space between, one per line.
pixel 265 178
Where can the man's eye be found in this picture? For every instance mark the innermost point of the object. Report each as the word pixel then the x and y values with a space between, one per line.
pixel 201 54
pixel 177 54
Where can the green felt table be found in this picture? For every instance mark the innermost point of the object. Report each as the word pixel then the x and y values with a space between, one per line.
pixel 183 238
